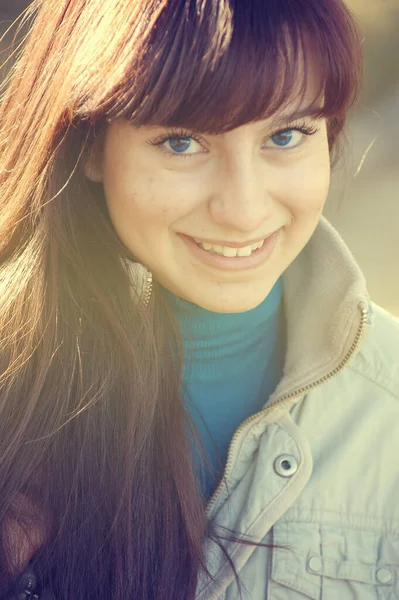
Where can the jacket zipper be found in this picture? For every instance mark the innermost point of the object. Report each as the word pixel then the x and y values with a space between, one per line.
pixel 290 397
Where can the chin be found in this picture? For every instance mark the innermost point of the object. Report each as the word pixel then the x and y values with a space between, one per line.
pixel 231 305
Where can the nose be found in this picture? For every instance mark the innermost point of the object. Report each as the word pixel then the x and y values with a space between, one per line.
pixel 242 200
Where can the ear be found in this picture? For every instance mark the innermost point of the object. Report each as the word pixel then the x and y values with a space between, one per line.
pixel 93 162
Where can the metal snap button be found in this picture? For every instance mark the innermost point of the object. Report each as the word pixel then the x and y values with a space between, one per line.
pixel 286 465
pixel 315 564
pixel 384 575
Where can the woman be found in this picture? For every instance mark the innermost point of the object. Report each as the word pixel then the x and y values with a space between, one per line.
pixel 193 375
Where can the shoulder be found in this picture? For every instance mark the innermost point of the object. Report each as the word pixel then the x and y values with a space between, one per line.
pixel 378 358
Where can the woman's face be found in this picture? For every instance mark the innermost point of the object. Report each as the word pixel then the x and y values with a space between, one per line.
pixel 166 188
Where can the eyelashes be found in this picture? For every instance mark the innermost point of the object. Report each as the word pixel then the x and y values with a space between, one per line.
pixel 184 134
pixel 176 134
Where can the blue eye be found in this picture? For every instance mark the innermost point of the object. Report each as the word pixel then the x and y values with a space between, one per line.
pixel 186 144
pixel 283 138
pixel 291 137
pixel 179 144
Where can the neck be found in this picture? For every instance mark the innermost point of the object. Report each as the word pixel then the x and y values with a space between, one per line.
pixel 213 340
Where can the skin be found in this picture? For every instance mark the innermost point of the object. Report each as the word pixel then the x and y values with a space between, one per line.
pixel 237 186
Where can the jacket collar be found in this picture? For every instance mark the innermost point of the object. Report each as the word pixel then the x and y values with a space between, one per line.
pixel 324 294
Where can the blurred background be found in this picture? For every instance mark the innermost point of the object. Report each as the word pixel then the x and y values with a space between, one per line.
pixel 364 205
pixel 364 200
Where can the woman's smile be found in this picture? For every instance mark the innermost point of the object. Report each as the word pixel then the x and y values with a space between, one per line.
pixel 232 259
pixel 168 189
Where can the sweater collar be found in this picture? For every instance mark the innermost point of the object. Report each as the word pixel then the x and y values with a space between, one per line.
pixel 214 343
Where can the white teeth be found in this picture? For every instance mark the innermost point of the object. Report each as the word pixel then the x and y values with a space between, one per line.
pixel 227 251
pixel 247 251
pixel 257 245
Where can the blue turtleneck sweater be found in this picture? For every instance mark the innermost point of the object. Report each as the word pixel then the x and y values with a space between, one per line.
pixel 233 362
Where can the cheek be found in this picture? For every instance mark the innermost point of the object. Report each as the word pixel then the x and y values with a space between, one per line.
pixel 138 198
pixel 309 187
pixel 143 206
pixel 135 207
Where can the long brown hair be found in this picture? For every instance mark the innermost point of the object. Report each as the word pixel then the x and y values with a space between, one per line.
pixel 93 445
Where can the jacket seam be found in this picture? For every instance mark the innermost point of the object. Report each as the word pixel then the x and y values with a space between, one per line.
pixel 347 526
pixel 380 384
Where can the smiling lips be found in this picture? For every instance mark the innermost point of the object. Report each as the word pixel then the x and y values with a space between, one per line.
pixel 235 257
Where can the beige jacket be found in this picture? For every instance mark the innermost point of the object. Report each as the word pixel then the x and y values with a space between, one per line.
pixel 317 471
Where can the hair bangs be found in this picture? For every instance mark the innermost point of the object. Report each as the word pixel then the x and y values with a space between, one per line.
pixel 212 66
